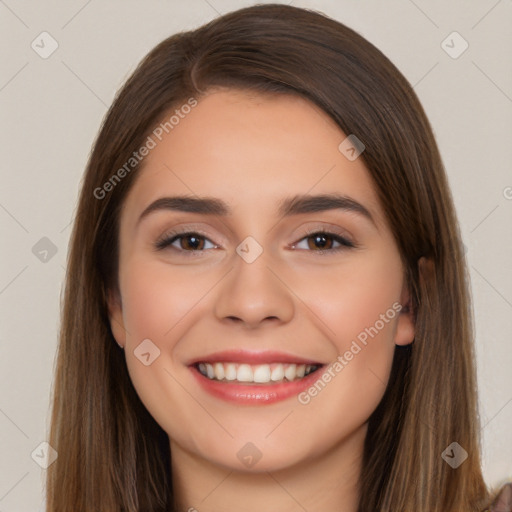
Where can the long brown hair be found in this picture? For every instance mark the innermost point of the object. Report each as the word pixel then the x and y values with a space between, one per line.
pixel 112 455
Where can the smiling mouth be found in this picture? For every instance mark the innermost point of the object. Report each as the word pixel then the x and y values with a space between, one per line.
pixel 242 373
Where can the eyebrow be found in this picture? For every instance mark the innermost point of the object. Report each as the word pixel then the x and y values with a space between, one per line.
pixel 295 205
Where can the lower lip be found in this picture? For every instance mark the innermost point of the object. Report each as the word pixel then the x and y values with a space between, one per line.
pixel 255 393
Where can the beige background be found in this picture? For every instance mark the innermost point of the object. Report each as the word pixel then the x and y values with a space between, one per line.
pixel 51 110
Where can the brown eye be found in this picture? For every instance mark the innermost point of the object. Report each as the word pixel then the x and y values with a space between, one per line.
pixel 187 242
pixel 192 242
pixel 320 241
pixel 323 241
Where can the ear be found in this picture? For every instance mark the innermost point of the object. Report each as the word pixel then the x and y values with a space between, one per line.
pixel 406 329
pixel 115 314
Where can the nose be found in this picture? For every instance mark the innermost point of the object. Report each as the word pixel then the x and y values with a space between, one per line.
pixel 252 294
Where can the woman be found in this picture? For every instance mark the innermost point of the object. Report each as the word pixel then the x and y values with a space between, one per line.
pixel 266 304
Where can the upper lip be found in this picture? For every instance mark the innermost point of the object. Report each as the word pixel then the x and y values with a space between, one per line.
pixel 253 357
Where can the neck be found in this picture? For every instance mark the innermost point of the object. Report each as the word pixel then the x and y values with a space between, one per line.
pixel 326 483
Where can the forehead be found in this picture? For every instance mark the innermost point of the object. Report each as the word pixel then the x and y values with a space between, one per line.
pixel 251 150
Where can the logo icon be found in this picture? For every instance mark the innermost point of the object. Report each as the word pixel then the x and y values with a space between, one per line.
pixel 454 455
pixel 249 249
pixel 249 455
pixel 44 45
pixel 351 147
pixel 454 45
pixel 44 250
pixel 44 455
pixel 146 352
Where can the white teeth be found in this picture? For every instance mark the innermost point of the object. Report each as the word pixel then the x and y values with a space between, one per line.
pixel 277 373
pixel 290 371
pixel 262 373
pixel 230 371
pixel 244 373
pixel 219 371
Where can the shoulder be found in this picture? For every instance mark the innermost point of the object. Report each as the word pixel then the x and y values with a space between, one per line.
pixel 501 500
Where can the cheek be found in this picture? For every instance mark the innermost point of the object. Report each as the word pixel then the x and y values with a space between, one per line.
pixel 354 296
pixel 157 306
pixel 362 323
pixel 156 300
pixel 357 305
pixel 161 306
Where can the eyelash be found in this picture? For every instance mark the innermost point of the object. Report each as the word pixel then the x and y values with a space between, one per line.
pixel 170 238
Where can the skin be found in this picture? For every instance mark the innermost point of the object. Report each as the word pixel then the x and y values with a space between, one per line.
pixel 252 151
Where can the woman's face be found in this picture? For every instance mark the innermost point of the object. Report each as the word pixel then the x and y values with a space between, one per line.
pixel 256 289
